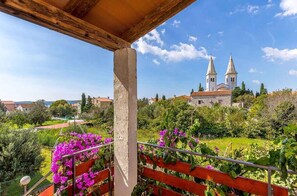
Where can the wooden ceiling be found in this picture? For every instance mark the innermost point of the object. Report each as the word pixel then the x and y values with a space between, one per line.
pixel 110 24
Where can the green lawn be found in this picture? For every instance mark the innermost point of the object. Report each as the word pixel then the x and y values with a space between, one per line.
pixel 234 143
pixel 53 122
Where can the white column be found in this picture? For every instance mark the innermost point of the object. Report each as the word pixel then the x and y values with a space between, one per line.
pixel 125 121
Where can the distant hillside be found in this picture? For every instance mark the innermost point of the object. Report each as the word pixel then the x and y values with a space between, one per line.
pixel 47 103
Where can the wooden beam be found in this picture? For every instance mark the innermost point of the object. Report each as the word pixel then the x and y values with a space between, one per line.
pixel 39 12
pixel 165 11
pixel 79 8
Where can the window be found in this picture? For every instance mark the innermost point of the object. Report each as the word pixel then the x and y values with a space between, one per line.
pixel 199 102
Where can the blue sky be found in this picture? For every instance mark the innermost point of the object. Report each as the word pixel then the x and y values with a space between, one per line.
pixel 37 63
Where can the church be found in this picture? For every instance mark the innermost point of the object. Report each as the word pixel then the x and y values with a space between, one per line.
pixel 216 93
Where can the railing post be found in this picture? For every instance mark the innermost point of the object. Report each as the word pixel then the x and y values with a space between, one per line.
pixel 109 168
pixel 73 173
pixel 269 182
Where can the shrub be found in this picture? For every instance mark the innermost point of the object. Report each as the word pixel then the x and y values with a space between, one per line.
pixel 20 153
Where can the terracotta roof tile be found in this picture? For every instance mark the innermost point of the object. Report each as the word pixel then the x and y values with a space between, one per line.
pixel 211 93
pixel 103 99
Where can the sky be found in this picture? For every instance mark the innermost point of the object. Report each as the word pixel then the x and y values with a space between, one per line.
pixel 261 35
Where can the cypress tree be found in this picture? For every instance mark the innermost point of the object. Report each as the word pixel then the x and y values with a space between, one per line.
pixel 83 102
pixel 157 97
pixel 200 88
pixel 263 90
pixel 243 87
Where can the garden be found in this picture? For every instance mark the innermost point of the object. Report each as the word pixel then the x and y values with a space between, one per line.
pixel 263 133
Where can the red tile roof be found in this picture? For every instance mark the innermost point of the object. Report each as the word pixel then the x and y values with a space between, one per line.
pixel 26 105
pixel 103 99
pixel 10 105
pixel 212 93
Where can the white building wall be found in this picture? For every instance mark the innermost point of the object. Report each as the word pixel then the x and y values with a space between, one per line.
pixel 224 100
pixel 211 82
pixel 231 81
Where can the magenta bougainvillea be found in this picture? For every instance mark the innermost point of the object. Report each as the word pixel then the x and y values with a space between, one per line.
pixel 62 169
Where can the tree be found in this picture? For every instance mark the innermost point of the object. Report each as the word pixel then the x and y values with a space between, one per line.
pixel 263 90
pixel 2 107
pixel 163 97
pixel 200 88
pixel 192 91
pixel 257 94
pixel 19 118
pixel 243 87
pixel 61 108
pixel 157 97
pixel 83 102
pixel 284 113
pixel 236 93
pixel 20 153
pixel 39 113
pixel 246 100
pixel 2 110
pixel 89 104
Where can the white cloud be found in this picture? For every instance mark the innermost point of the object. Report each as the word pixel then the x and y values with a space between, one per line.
pixel 273 54
pixel 253 9
pixel 192 38
pixel 221 33
pixel 176 53
pixel 163 31
pixel 209 35
pixel 154 36
pixel 254 70
pixel 256 81
pixel 156 62
pixel 293 72
pixel 176 23
pixel 250 9
pixel 289 8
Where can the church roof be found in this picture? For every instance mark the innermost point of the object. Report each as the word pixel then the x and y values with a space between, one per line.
pixel 211 69
pixel 231 67
pixel 212 93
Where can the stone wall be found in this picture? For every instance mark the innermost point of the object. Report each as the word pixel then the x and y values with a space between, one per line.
pixel 224 100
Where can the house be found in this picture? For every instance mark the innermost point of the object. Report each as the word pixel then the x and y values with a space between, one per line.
pixel 9 105
pixel 77 107
pixel 216 93
pixel 152 100
pixel 209 98
pixel 102 102
pixel 24 107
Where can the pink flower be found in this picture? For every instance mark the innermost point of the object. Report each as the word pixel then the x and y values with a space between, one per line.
pixel 209 167
pixel 56 178
pixel 175 131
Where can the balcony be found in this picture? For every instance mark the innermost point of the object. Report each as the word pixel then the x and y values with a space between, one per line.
pixel 159 176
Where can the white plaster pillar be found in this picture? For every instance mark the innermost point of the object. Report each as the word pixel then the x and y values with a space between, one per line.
pixel 125 121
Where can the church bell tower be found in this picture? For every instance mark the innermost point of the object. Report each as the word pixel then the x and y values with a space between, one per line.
pixel 231 75
pixel 211 76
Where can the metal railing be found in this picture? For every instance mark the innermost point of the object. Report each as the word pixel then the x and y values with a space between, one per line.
pixel 268 168
pixel 73 156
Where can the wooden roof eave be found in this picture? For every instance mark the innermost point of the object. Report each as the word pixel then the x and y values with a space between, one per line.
pixel 46 15
pixel 70 19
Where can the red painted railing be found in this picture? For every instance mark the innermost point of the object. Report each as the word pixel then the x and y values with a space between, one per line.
pixel 239 183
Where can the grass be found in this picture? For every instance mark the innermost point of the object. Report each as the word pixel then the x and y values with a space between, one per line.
pixel 146 135
pixel 53 122
pixel 234 143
